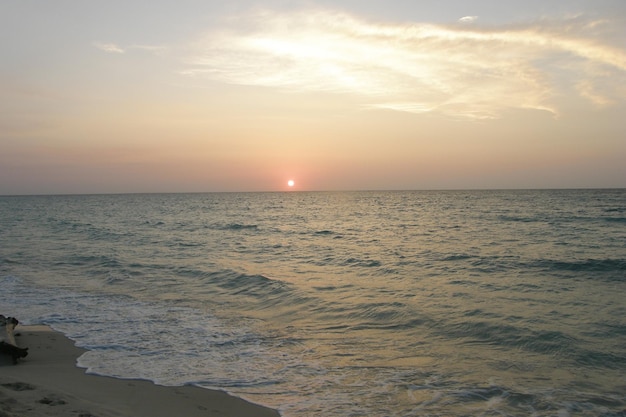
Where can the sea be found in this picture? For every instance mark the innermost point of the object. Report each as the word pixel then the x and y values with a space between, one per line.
pixel 337 304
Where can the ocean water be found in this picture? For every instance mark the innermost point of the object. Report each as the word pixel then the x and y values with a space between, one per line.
pixel 433 303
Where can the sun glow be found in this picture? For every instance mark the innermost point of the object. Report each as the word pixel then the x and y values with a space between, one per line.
pixel 291 183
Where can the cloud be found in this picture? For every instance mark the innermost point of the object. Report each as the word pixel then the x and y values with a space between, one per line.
pixel 109 47
pixel 116 49
pixel 468 19
pixel 464 72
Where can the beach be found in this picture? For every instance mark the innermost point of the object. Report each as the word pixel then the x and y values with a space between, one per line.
pixel 48 382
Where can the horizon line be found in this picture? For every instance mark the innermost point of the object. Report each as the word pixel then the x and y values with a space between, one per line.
pixel 313 191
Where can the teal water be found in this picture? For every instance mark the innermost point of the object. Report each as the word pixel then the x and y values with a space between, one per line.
pixel 438 303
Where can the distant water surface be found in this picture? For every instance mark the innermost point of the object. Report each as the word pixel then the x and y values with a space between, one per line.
pixel 438 303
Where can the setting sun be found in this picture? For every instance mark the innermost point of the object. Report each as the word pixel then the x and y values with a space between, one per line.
pixel 291 183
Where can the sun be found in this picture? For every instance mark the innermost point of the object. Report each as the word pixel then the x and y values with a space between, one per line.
pixel 291 183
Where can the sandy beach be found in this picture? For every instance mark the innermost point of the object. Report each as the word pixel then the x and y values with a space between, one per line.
pixel 48 383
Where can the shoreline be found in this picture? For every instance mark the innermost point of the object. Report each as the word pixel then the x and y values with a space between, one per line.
pixel 50 378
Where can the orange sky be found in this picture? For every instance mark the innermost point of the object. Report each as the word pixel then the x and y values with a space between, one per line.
pixel 334 95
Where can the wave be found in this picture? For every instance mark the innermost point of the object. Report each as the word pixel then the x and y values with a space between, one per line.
pixel 255 285
pixel 457 257
pixel 237 226
pixel 614 219
pixel 348 262
pixel 364 263
pixel 324 232
pixel 596 359
pixel 253 291
pixel 501 399
pixel 546 342
pixel 91 232
pixel 587 265
pixel 234 226
pixel 519 219
pixel 93 261
pixel 567 220
pixel 615 210
pixel 489 264
pixel 549 342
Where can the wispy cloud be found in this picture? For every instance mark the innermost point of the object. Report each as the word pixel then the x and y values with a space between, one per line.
pixel 468 19
pixel 117 49
pixel 458 70
pixel 109 47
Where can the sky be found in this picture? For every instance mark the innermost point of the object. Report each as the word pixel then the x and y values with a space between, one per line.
pixel 204 96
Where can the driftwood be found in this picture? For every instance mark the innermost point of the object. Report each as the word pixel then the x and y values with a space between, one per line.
pixel 7 339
